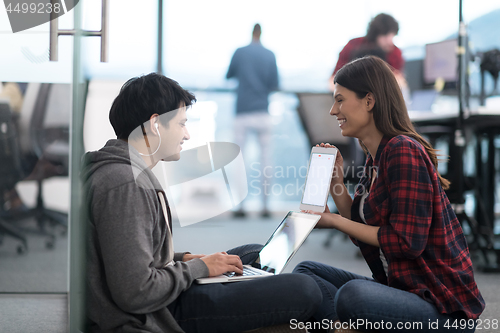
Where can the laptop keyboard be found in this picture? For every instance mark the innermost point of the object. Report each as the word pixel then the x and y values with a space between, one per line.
pixel 246 272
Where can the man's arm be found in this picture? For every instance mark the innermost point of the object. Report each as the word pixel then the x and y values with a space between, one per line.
pixel 396 60
pixel 231 72
pixel 125 225
pixel 273 79
pixel 185 256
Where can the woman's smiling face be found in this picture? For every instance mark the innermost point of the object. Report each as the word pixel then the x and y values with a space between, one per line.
pixel 353 113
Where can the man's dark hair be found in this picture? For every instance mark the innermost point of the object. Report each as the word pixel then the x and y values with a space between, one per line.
pixel 257 30
pixel 380 25
pixel 143 96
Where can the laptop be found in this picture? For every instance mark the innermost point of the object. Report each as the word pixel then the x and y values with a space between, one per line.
pixel 277 252
pixel 422 100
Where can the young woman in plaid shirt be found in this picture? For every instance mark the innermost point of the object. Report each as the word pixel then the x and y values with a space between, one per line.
pixel 400 218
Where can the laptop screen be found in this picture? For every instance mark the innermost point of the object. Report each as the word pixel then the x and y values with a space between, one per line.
pixel 285 241
pixel 422 100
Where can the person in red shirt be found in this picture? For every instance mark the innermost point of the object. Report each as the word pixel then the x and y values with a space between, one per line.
pixel 379 42
pixel 400 218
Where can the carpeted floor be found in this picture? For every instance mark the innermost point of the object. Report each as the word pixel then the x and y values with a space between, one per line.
pixel 27 282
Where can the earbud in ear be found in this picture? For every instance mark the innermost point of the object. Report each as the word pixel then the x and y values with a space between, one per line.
pixel 156 125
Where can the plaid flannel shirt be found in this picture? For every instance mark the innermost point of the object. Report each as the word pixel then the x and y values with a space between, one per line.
pixel 419 234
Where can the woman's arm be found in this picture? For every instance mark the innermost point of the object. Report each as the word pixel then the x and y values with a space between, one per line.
pixel 342 199
pixel 408 172
pixel 365 233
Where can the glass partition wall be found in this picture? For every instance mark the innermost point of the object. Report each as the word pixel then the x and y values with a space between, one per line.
pixel 42 110
pixel 36 109
pixel 52 112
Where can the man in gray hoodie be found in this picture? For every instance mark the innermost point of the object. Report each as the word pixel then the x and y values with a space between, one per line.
pixel 136 282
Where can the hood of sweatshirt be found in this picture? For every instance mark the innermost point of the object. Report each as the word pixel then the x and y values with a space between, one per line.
pixel 120 152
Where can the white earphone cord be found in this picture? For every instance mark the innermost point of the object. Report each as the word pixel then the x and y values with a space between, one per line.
pixel 159 144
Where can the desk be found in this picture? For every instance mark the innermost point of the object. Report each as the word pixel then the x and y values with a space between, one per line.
pixel 482 127
pixel 481 117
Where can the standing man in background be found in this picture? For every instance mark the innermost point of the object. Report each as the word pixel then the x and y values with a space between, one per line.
pixel 255 68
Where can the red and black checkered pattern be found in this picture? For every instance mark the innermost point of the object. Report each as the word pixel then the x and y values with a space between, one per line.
pixel 419 234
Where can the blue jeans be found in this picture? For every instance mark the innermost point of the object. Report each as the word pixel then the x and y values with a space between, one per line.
pixel 241 306
pixel 353 298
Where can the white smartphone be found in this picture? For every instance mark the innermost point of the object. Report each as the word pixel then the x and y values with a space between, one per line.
pixel 319 176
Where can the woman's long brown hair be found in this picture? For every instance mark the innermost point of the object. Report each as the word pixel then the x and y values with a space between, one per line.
pixel 372 75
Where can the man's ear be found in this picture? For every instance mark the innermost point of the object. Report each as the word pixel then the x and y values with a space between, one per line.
pixel 153 123
pixel 370 101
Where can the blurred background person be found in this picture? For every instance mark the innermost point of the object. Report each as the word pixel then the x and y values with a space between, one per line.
pixel 14 93
pixel 379 42
pixel 255 68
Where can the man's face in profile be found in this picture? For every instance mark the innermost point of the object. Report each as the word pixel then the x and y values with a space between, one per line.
pixel 173 135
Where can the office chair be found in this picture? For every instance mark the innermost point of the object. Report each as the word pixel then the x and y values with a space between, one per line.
pixel 320 126
pixel 10 172
pixel 490 62
pixel 49 138
pixel 44 142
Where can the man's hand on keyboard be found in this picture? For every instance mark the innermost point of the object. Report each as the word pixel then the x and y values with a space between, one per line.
pixel 189 256
pixel 221 262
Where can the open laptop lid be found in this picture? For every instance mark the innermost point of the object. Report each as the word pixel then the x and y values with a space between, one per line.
pixel 285 241
pixel 422 100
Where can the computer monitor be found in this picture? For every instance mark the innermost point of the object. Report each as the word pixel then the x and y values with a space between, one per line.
pixel 441 61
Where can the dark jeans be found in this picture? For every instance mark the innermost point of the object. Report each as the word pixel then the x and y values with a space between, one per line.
pixel 241 306
pixel 353 298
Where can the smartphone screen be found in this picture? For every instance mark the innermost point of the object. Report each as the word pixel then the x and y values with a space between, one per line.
pixel 318 178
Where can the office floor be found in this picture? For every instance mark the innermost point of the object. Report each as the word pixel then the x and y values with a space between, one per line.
pixel 30 313
pixel 47 312
pixel 40 270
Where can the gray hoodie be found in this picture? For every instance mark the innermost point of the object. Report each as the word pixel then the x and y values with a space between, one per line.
pixel 128 283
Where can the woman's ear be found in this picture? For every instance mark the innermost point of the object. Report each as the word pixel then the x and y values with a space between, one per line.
pixel 370 101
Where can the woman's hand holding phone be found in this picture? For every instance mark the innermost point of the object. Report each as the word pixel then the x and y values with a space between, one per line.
pixel 340 195
pixel 326 218
pixel 338 168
